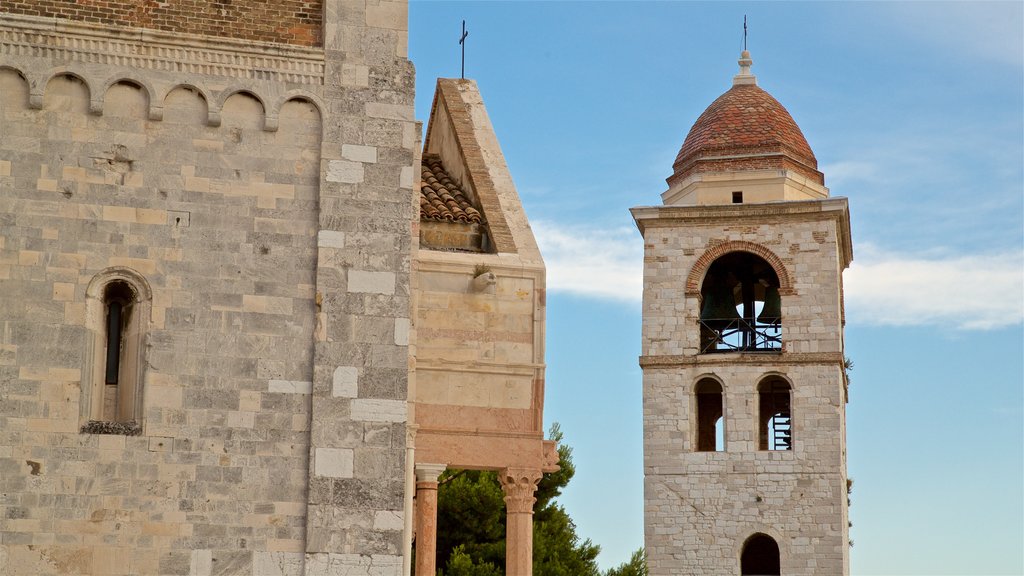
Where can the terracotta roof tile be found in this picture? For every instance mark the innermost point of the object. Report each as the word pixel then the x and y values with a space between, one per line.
pixel 441 198
pixel 745 123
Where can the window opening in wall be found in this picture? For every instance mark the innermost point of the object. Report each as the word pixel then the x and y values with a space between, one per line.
pixel 737 197
pixel 760 557
pixel 710 424
pixel 117 305
pixel 775 416
pixel 741 308
pixel 117 300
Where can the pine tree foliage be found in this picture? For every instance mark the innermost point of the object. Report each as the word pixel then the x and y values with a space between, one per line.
pixel 637 566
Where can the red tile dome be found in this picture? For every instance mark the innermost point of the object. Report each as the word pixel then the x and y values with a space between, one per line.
pixel 745 129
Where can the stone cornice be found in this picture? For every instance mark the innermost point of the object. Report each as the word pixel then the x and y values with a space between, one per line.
pixel 71 43
pixel 732 359
pixel 459 262
pixel 835 209
pixel 503 368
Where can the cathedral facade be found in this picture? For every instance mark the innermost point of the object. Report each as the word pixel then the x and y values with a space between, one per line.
pixel 210 219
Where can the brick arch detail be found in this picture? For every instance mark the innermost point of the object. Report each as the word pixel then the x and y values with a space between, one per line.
pixel 700 267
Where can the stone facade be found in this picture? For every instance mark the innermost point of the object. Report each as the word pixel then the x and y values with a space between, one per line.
pixel 478 386
pixel 707 499
pixel 249 187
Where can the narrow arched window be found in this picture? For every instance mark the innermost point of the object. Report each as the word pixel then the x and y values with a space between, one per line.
pixel 760 556
pixel 117 304
pixel 775 415
pixel 741 309
pixel 117 390
pixel 709 417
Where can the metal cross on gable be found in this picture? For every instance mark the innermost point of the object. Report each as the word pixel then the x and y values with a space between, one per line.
pixel 462 42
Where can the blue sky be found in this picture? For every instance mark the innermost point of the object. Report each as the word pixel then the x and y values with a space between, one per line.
pixel 915 112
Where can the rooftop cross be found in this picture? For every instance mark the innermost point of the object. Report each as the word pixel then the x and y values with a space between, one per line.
pixel 462 42
pixel 744 32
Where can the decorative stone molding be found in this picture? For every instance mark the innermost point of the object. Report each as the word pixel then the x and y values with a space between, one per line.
pixel 428 473
pixel 74 42
pixel 519 485
pixel 732 359
pixel 700 267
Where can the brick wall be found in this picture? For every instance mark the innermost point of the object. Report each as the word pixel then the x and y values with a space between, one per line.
pixel 283 21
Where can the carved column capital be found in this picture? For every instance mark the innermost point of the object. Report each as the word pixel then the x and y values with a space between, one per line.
pixel 519 485
pixel 428 473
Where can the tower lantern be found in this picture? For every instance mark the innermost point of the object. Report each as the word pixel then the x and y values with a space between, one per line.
pixel 743 367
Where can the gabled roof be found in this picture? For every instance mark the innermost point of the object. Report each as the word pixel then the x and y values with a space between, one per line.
pixel 461 138
pixel 441 198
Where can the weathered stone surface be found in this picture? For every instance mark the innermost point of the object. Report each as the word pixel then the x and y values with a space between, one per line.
pixel 265 211
pixel 702 506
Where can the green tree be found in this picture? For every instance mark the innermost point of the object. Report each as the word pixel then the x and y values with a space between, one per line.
pixel 636 566
pixel 471 524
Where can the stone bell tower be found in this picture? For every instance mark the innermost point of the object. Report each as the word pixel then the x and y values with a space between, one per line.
pixel 743 368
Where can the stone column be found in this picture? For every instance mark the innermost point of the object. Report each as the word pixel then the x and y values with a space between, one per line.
pixel 426 517
pixel 519 485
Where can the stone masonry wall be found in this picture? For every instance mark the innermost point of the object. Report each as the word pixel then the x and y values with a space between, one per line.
pixel 263 195
pixel 712 501
pixel 700 507
pixel 478 358
pixel 221 221
pixel 284 21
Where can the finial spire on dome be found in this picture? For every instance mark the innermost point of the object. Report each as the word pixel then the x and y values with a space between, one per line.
pixel 744 77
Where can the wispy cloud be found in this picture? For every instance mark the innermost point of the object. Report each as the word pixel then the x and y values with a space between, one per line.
pixel 961 291
pixel 845 173
pixel 605 263
pixel 982 30
pixel 971 292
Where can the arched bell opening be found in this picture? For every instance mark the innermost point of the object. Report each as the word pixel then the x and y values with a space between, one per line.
pixel 775 415
pixel 760 556
pixel 710 412
pixel 741 309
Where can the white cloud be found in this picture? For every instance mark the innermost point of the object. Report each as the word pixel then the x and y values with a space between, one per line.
pixel 967 292
pixel 843 173
pixel 604 263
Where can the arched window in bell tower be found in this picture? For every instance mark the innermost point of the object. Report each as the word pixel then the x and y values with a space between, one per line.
pixel 760 556
pixel 775 415
pixel 741 310
pixel 710 423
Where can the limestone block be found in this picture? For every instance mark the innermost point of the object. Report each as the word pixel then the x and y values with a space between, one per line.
pixel 371 282
pixel 277 563
pixel 330 239
pixel 334 462
pixel 401 331
pixel 345 382
pixel 358 153
pixel 290 387
pixel 355 75
pixel 389 520
pixel 390 111
pixel 201 563
pixel 377 410
pixel 324 564
pixel 345 171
